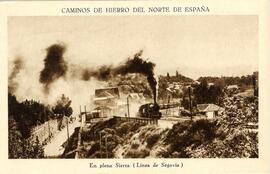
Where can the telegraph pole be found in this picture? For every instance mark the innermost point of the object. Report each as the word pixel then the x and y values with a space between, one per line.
pixel 128 107
pixel 190 106
pixel 67 130
pixel 49 130
pixel 106 141
pixel 100 151
pixel 45 115
pixel 84 114
pixel 67 127
pixel 169 98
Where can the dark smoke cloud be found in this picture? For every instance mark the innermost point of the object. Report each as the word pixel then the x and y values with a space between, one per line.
pixel 132 65
pixel 17 67
pixel 102 73
pixel 54 66
pixel 138 65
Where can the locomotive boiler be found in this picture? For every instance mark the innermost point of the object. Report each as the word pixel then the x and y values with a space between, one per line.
pixel 150 110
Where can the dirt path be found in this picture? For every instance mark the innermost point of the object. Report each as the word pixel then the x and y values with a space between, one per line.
pixel 54 148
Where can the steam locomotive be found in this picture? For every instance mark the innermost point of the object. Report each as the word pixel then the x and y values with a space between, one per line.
pixel 150 110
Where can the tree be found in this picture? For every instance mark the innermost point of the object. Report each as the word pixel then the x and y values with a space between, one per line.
pixel 27 114
pixel 162 86
pixel 18 145
pixel 168 75
pixel 201 92
pixel 62 107
pixel 215 93
pixel 208 94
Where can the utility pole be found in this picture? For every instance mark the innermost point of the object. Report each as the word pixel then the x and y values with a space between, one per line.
pixel 128 106
pixel 67 130
pixel 190 106
pixel 169 97
pixel 67 126
pixel 180 104
pixel 85 113
pixel 49 130
pixel 106 143
pixel 254 82
pixel 45 115
pixel 80 116
pixel 100 144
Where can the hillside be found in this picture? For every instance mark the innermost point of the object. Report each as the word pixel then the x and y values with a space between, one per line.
pixel 232 135
pixel 132 83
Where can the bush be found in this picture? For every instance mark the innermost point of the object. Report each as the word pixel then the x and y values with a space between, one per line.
pixel 152 140
pixel 123 129
pixel 94 148
pixel 71 145
pixel 135 126
pixel 135 145
pixel 190 133
pixel 21 148
pixel 205 127
pixel 114 130
pixel 137 153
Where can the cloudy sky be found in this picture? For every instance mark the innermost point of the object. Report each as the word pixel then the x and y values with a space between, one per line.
pixel 194 45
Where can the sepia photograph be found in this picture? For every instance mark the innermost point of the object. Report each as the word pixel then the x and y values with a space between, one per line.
pixel 122 87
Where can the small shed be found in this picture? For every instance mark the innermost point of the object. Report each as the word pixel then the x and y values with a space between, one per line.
pixel 230 87
pixel 209 110
pixel 102 111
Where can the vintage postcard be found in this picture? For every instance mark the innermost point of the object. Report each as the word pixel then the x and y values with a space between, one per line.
pixel 126 86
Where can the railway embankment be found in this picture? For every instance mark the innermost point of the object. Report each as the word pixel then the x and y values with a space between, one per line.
pixel 116 138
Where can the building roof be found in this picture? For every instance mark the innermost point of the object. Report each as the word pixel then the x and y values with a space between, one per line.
pixel 103 98
pixel 134 95
pixel 232 87
pixel 107 92
pixel 211 84
pixel 168 89
pixel 99 108
pixel 208 107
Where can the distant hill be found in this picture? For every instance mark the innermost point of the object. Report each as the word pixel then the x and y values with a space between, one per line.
pixel 132 83
pixel 247 80
pixel 175 78
pixel 175 84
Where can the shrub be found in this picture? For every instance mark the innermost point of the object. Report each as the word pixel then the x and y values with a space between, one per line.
pixel 137 153
pixel 71 145
pixel 94 148
pixel 206 127
pixel 152 140
pixel 190 133
pixel 123 129
pixel 135 126
pixel 21 148
pixel 135 145
pixel 163 152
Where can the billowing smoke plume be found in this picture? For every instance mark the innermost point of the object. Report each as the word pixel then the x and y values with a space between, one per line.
pixel 138 65
pixel 54 66
pixel 75 81
pixel 12 83
pixel 102 73
pixel 132 65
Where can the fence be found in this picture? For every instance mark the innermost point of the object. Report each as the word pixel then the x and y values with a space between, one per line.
pixel 44 131
pixel 137 119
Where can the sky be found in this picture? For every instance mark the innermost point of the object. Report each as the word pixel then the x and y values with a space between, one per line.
pixel 193 45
